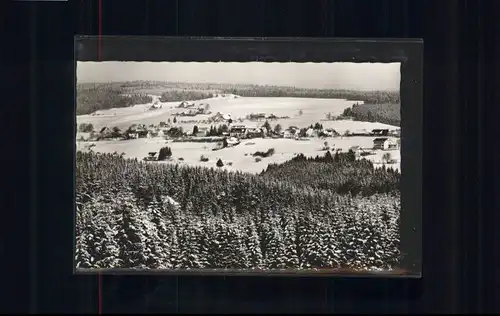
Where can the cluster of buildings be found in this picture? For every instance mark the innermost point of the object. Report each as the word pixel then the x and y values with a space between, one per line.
pixel 192 109
pixel 134 132
pixel 376 132
pixel 292 132
pixel 385 139
pixel 383 142
pixel 192 112
pixel 241 131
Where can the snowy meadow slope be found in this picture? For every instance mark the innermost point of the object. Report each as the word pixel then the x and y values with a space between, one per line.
pixel 311 111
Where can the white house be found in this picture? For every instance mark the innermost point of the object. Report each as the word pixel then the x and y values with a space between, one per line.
pixel 155 106
pixel 105 129
pixel 330 132
pixel 357 150
pixel 163 132
pixel 105 132
pixel 133 135
pixel 232 141
pixel 395 132
pixel 218 117
pixel 152 134
pixel 190 112
pixel 384 143
pixel 237 130
pixel 186 104
pixel 311 132
pixel 254 132
pixel 290 133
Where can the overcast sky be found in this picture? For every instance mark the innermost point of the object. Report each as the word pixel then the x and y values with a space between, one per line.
pixel 358 76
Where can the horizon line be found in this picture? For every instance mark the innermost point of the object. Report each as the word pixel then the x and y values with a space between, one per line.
pixel 235 84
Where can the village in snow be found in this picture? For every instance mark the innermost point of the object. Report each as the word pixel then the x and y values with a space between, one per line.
pixel 272 175
pixel 199 123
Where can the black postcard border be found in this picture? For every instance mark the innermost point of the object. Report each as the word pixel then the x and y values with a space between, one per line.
pixel 409 52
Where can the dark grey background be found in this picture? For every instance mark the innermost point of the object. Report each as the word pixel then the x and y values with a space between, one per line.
pixel 460 197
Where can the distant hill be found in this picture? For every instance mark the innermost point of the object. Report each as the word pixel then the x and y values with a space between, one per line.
pixel 97 96
pixel 386 113
pixel 94 97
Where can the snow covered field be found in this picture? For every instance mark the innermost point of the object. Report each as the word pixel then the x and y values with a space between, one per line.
pixel 239 157
pixel 313 110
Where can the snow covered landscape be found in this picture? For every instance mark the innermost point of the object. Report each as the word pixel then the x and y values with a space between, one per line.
pixel 237 175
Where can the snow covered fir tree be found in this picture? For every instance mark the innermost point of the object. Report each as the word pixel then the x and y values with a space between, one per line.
pixel 328 212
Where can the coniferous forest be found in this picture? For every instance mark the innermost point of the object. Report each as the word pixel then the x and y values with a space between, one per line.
pixel 323 213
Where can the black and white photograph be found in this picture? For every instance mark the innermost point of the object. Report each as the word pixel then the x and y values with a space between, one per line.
pixel 240 166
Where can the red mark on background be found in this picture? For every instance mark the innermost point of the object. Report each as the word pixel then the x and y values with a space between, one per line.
pixel 99 27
